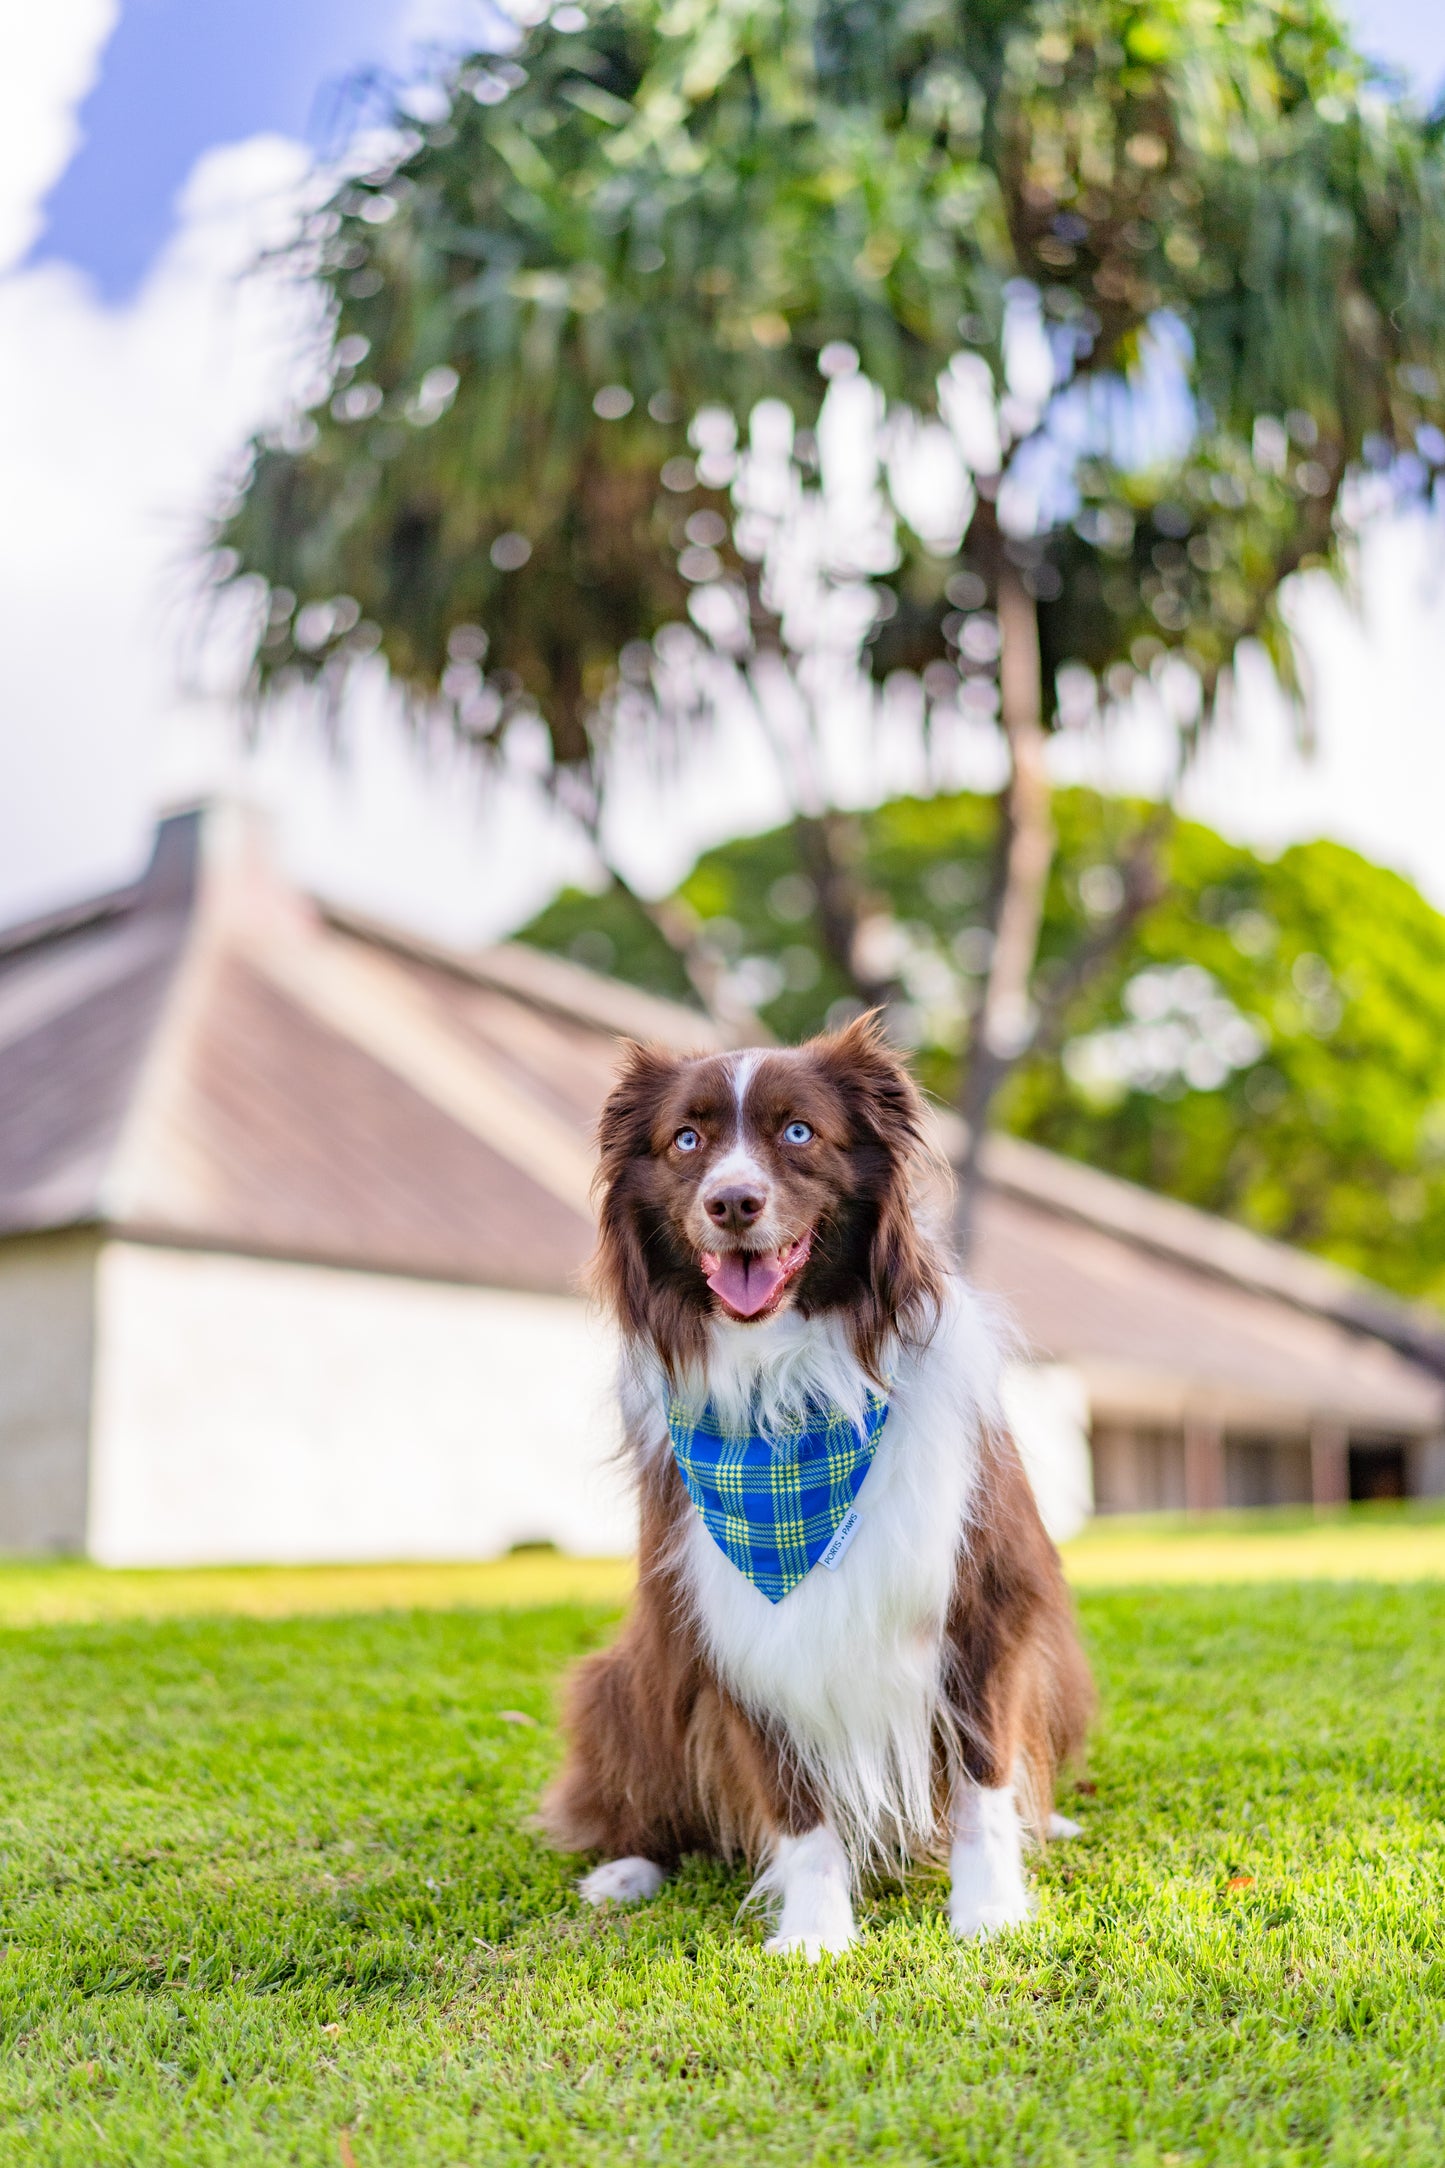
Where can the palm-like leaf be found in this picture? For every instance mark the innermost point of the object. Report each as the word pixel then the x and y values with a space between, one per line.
pixel 687 205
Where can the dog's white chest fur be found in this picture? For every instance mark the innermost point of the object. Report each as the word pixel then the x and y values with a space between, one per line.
pixel 848 1664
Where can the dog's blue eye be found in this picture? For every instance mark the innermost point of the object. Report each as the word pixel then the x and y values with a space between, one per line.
pixel 797 1133
pixel 687 1140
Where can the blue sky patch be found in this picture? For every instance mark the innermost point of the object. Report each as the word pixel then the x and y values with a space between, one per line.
pixel 179 77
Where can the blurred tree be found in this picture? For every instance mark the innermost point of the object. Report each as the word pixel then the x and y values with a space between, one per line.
pixel 1263 1044
pixel 1142 285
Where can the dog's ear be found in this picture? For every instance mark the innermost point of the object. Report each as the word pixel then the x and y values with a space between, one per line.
pixel 625 1270
pixel 890 1122
pixel 624 1127
pixel 882 1098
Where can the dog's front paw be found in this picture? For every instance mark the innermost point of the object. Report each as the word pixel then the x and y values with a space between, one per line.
pixel 622 1882
pixel 811 1946
pixel 971 1921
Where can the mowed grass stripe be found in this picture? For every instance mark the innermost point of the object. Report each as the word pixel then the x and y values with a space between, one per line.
pixel 71 1591
pixel 1356 1543
pixel 263 1881
pixel 1371 1543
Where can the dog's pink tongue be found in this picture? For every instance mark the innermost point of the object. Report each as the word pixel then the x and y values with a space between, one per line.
pixel 747 1282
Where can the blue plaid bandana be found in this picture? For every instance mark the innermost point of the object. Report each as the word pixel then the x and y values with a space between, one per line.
pixel 776 1506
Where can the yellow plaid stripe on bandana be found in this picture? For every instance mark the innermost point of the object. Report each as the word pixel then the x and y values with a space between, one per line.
pixel 774 1505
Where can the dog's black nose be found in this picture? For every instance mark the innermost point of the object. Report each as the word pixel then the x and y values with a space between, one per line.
pixel 735 1207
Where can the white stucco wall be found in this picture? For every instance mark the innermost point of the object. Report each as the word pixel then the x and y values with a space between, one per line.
pixel 1047 1409
pixel 247 1410
pixel 46 1298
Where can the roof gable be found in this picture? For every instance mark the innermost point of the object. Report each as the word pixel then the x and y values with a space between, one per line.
pixel 210 1057
pixel 81 995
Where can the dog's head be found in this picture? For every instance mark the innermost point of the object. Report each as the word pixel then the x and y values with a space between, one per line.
pixel 738 1185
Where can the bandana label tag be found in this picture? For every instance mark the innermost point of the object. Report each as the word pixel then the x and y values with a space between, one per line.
pixel 848 1527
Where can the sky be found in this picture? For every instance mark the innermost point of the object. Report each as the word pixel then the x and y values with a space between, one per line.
pixel 150 151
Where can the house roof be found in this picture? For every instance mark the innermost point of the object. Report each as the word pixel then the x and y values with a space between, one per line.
pixel 82 994
pixel 210 1057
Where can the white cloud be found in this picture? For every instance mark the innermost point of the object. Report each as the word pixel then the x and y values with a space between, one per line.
pixel 113 425
pixel 49 57
pixel 1376 776
pixel 462 25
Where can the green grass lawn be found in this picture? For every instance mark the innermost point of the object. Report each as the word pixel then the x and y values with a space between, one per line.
pixel 267 1894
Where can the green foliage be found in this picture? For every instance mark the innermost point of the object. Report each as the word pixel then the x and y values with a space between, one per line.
pixel 1322 1120
pixel 264 1883
pixel 684 203
pixel 510 265
pixel 1335 1138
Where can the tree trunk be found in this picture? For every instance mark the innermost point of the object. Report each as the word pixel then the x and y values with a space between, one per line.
pixel 1004 1019
pixel 667 915
pixel 704 971
pixel 1145 882
pixel 826 852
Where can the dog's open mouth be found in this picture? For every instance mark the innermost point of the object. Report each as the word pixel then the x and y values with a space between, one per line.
pixel 750 1283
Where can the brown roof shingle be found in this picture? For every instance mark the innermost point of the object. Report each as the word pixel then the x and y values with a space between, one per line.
pixel 81 995
pixel 313 1149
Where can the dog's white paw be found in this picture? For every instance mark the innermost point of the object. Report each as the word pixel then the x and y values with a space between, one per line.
pixel 973 1922
pixel 808 1877
pixel 1060 1827
pixel 622 1882
pixel 812 1947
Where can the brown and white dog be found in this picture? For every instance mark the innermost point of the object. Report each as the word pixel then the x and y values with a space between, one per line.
pixel 762 1245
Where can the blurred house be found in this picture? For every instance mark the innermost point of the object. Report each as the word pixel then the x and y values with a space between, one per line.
pixel 1220 1369
pixel 293 1210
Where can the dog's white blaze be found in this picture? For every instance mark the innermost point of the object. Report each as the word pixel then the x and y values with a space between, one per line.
pixel 808 1878
pixel 744 1067
pixel 739 1164
pixel 987 1862
pixel 849 1662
